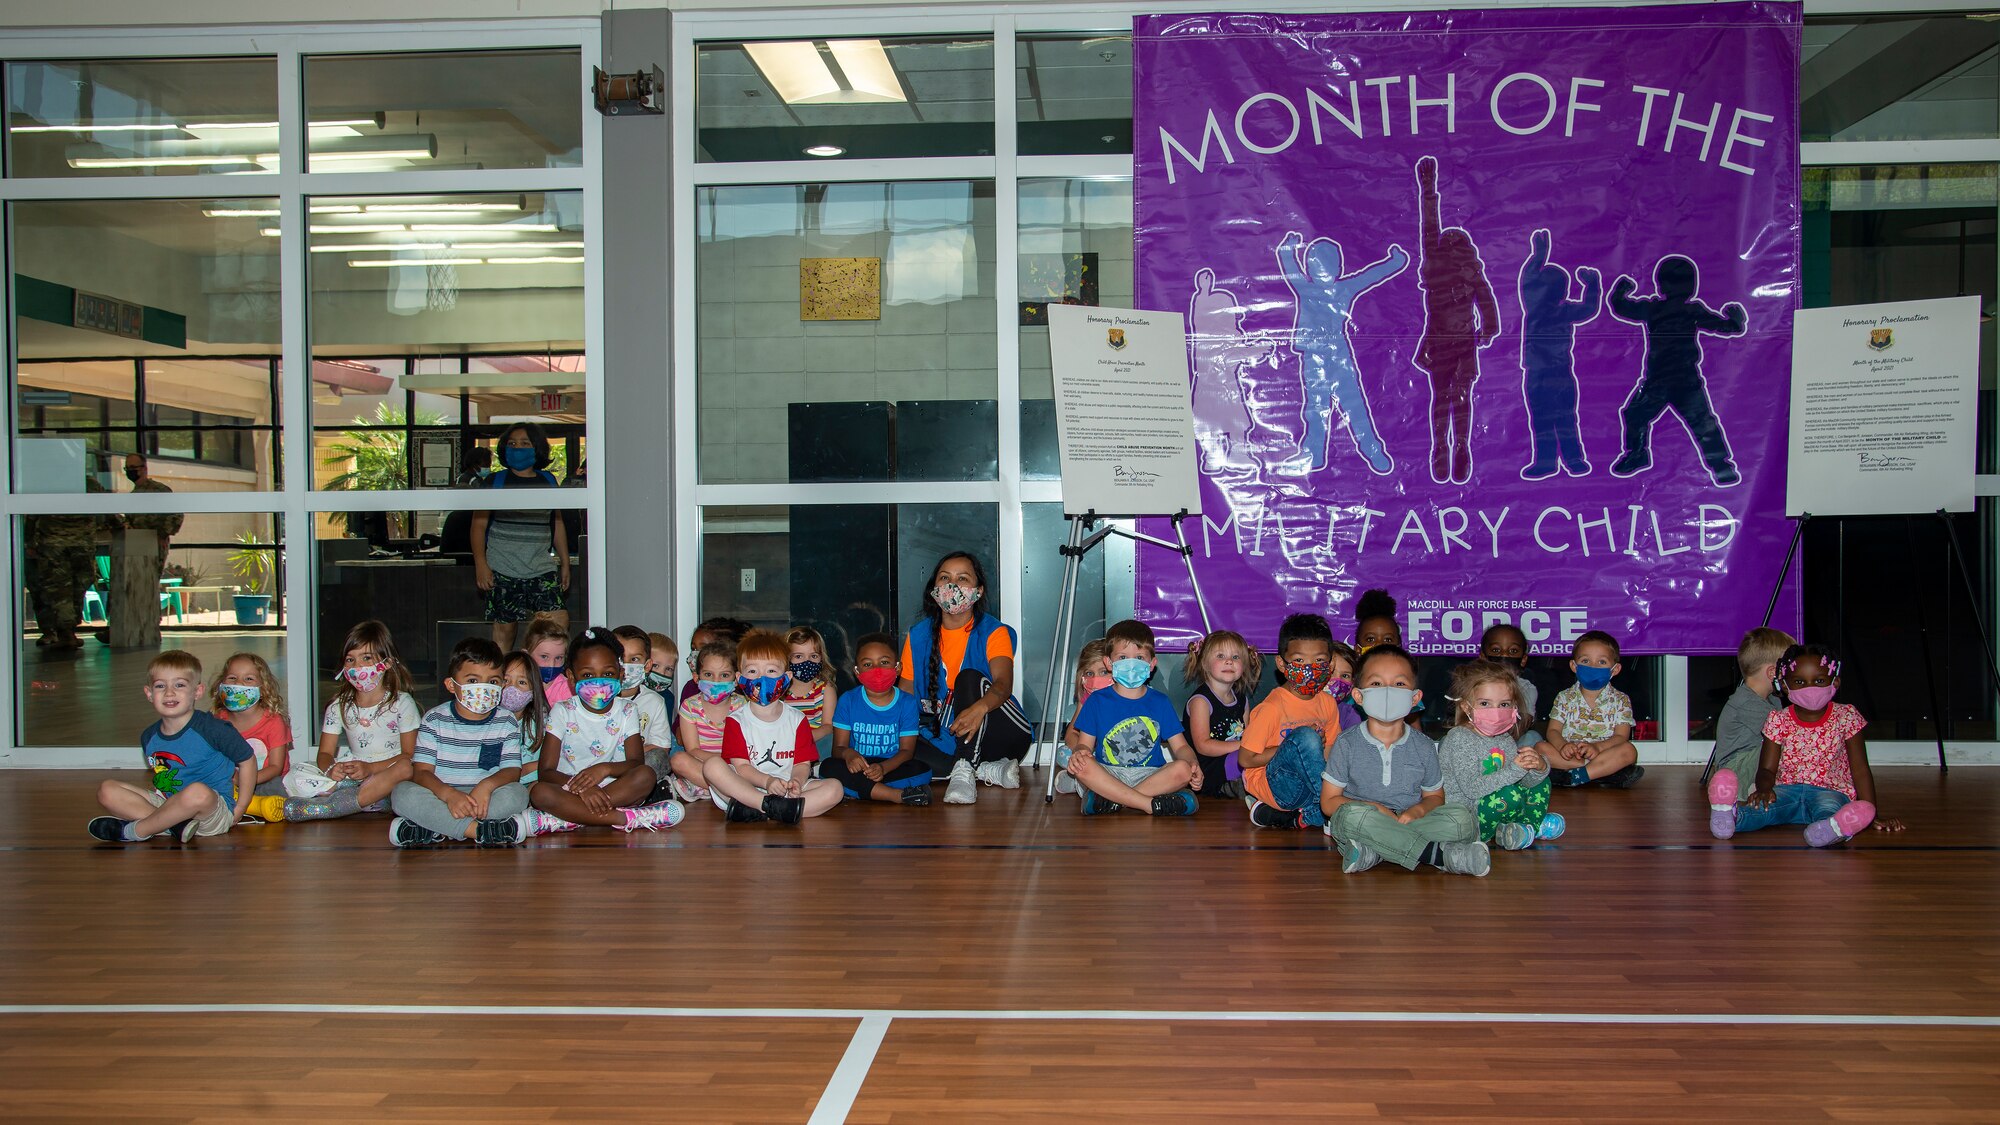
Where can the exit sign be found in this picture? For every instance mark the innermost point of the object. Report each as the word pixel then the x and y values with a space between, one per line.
pixel 552 403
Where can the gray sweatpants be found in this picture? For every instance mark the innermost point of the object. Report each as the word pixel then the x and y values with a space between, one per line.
pixel 1355 823
pixel 419 805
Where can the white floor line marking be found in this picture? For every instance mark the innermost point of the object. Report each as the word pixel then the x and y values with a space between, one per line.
pixel 851 1073
pixel 885 1014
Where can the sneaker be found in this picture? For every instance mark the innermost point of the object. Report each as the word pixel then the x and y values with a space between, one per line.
pixel 687 790
pixel 1360 859
pixel 1552 826
pixel 1010 774
pixel 1066 782
pixel 1623 779
pixel 740 813
pixel 1466 858
pixel 917 795
pixel 502 833
pixel 1094 804
pixel 535 822
pixel 1852 818
pixel 1722 792
pixel 653 817
pixel 663 790
pixel 784 810
pixel 268 809
pixel 1513 837
pixel 961 789
pixel 108 829
pixel 1271 816
pixel 409 834
pixel 1175 804
pixel 184 830
pixel 988 773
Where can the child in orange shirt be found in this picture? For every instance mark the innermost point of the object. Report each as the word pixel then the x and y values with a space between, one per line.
pixel 1286 737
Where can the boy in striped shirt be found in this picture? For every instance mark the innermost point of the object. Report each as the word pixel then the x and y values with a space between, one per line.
pixel 467 779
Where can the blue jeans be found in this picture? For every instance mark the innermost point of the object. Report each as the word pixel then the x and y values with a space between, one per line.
pixel 1795 804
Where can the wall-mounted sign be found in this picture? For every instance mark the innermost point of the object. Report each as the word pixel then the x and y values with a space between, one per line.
pixel 549 402
pixel 108 314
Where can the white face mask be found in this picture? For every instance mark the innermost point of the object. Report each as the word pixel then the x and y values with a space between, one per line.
pixel 634 674
pixel 479 699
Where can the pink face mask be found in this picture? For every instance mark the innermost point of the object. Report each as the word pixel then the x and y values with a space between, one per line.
pixel 1094 684
pixel 1812 698
pixel 1493 721
pixel 367 678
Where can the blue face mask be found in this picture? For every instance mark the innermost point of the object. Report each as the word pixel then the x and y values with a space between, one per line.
pixel 549 674
pixel 763 689
pixel 1593 679
pixel 518 456
pixel 1131 672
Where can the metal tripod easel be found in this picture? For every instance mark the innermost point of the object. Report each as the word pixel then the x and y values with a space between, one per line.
pixel 1081 539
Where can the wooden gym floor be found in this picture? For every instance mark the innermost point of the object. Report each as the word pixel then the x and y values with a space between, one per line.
pixel 1005 962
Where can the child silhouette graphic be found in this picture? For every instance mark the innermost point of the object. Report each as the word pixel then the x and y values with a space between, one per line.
pixel 1461 316
pixel 1221 348
pixel 1672 379
pixel 1324 308
pixel 1548 358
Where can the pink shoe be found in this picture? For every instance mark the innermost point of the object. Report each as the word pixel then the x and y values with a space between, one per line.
pixel 1842 825
pixel 1722 790
pixel 535 822
pixel 652 818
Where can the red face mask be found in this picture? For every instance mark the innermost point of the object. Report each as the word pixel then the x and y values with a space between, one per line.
pixel 878 679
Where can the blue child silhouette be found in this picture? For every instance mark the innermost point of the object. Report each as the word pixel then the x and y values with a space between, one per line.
pixel 1324 304
pixel 1548 358
pixel 1671 378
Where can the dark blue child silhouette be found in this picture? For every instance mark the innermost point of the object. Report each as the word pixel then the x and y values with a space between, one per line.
pixel 1671 378
pixel 1548 358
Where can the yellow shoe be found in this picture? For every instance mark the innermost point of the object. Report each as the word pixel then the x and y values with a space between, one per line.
pixel 271 809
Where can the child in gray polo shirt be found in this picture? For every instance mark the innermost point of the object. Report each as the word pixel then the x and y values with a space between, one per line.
pixel 1383 789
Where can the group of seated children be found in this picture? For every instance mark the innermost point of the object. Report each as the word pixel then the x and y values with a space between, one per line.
pixel 580 731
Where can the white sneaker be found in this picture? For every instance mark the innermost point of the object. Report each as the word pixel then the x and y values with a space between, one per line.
pixel 1010 774
pixel 1066 783
pixel 988 773
pixel 961 789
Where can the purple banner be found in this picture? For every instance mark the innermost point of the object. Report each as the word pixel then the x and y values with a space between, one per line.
pixel 1489 308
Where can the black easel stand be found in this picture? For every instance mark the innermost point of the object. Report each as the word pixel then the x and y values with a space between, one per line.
pixel 1081 540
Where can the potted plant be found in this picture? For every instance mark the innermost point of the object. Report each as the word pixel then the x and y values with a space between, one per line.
pixel 255 563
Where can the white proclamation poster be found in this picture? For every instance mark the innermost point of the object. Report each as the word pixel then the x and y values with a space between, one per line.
pixel 1885 402
pixel 1123 420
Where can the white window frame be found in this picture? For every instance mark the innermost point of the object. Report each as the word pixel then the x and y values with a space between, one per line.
pixel 298 502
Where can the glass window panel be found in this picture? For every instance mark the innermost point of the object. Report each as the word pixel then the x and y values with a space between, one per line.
pixel 882 366
pixel 142 117
pixel 843 98
pixel 844 569
pixel 1075 248
pixel 446 110
pixel 410 295
pixel 1912 77
pixel 1073 94
pixel 173 303
pixel 426 595
pixel 218 591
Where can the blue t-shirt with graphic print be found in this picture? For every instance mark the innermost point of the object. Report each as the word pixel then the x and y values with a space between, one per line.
pixel 876 732
pixel 205 750
pixel 1129 732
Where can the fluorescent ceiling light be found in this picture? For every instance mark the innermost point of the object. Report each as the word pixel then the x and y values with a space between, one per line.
pixel 171 127
pixel 383 228
pixel 270 212
pixel 825 150
pixel 168 127
pixel 534 261
pixel 375 154
pixel 868 71
pixel 517 245
pixel 377 247
pixel 366 262
pixel 208 160
pixel 793 69
pixel 485 228
pixel 373 208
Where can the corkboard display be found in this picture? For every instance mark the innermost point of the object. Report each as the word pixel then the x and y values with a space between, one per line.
pixel 840 289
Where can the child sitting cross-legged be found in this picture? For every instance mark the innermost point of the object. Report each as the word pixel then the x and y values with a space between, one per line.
pixel 202 770
pixel 1287 736
pixel 765 769
pixel 1485 769
pixel 1126 746
pixel 593 770
pixel 1383 789
pixel 466 773
pixel 875 731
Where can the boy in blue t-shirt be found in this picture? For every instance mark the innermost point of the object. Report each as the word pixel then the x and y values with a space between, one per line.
pixel 1126 745
pixel 201 767
pixel 875 731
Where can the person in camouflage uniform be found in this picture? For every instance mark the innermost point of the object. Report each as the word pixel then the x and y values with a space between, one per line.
pixel 163 524
pixel 65 549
